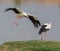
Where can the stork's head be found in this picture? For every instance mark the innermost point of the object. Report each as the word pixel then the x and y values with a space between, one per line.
pixel 48 25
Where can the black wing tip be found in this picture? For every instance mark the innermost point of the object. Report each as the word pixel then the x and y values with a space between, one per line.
pixel 39 23
pixel 8 9
pixel 14 9
pixel 36 23
pixel 36 26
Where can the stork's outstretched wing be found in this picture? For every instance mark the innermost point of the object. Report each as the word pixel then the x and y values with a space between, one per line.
pixel 34 20
pixel 16 10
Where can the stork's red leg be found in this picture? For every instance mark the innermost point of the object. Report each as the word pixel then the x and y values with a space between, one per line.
pixel 41 37
pixel 45 35
pixel 16 22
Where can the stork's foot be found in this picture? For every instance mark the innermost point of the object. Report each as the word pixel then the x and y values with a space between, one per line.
pixel 16 23
pixel 41 39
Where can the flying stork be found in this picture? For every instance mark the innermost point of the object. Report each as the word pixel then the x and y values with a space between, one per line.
pixel 44 28
pixel 20 14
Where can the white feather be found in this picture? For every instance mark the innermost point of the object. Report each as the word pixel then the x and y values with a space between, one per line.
pixel 48 25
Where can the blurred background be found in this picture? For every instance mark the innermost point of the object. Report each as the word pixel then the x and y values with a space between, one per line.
pixel 45 10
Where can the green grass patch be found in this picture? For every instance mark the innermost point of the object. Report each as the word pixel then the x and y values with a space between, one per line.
pixel 34 45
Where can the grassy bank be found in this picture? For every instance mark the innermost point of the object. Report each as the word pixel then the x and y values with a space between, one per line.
pixel 30 46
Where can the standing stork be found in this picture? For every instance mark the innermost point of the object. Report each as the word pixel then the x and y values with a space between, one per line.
pixel 44 28
pixel 21 14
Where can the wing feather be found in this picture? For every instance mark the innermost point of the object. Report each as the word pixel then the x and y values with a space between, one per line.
pixel 35 21
pixel 16 10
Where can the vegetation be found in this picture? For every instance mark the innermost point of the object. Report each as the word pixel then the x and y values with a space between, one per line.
pixel 33 45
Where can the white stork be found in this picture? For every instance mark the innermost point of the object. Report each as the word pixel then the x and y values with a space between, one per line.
pixel 44 28
pixel 21 14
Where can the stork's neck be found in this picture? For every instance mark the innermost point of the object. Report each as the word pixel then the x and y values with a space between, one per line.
pixel 24 13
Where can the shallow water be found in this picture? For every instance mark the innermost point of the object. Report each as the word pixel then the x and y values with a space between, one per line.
pixel 46 11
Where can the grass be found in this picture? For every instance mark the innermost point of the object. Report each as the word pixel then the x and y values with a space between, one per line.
pixel 34 45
